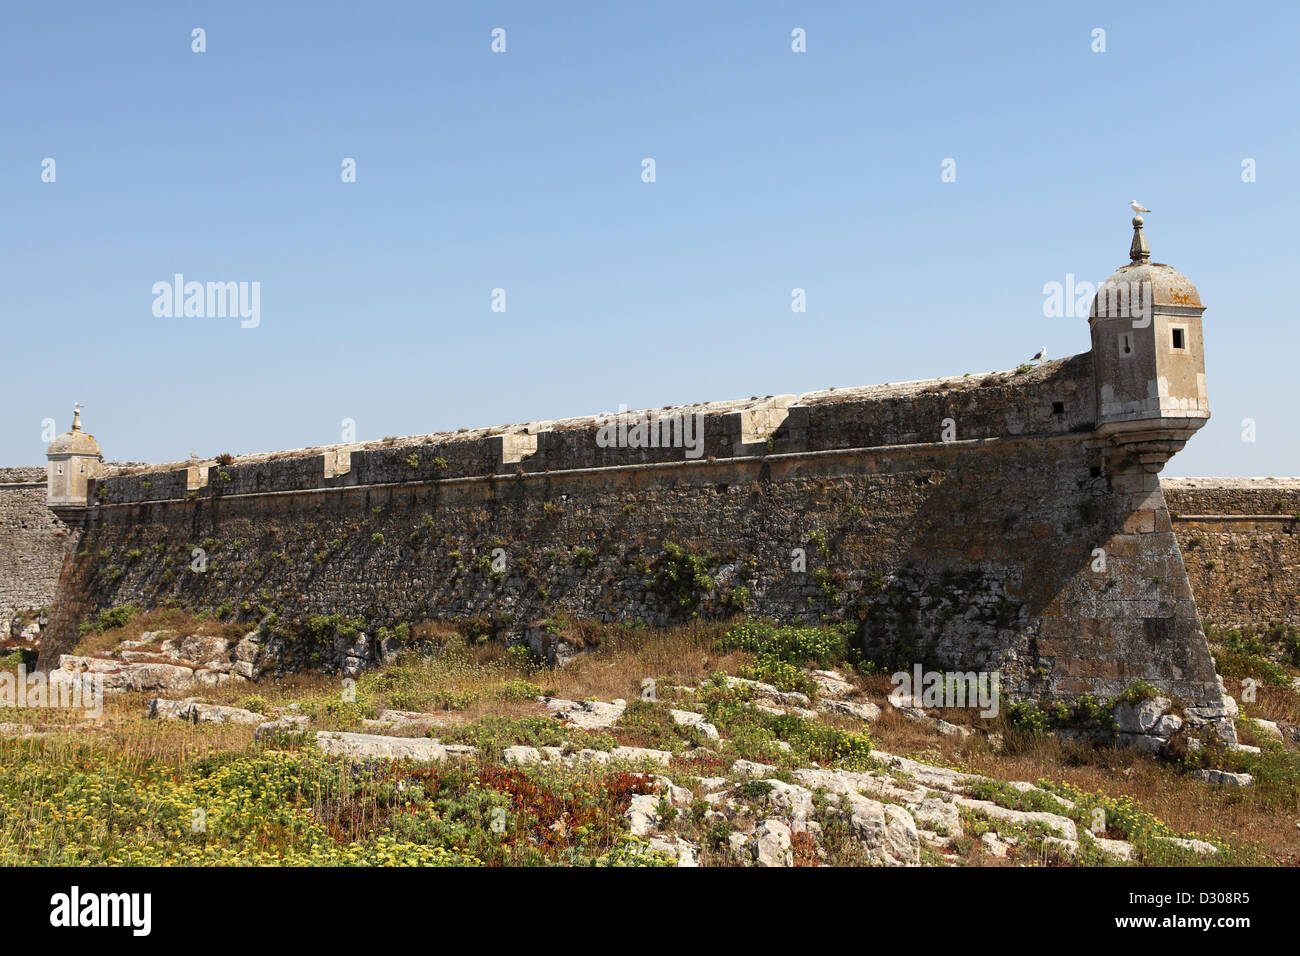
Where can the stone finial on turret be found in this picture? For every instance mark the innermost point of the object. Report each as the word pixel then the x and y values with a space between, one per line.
pixel 1139 251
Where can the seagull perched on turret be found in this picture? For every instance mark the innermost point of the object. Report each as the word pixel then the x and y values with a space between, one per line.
pixel 1041 356
pixel 1138 207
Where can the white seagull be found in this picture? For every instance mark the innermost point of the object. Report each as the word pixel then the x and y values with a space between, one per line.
pixel 1138 207
pixel 1041 356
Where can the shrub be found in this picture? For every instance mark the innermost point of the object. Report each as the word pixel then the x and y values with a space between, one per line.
pixel 781 653
pixel 109 618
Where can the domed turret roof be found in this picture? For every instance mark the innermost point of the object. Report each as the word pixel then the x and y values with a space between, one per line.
pixel 1167 285
pixel 75 442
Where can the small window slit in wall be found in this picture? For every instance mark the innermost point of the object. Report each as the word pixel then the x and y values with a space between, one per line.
pixel 1180 339
pixel 1058 408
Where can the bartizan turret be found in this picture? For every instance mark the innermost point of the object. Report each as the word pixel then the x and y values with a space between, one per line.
pixel 74 458
pixel 1148 361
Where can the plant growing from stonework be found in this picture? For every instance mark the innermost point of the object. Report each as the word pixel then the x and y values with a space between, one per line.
pixel 109 618
pixel 683 575
pixel 818 540
pixel 413 460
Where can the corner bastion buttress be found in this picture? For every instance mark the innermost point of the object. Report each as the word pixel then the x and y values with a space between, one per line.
pixel 1009 521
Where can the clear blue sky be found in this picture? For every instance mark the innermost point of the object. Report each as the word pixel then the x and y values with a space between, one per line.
pixel 522 171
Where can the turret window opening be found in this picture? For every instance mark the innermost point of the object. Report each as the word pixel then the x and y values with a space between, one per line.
pixel 1180 338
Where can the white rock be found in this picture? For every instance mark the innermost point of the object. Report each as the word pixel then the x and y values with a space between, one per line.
pixel 362 746
pixel 197 648
pixel 687 853
pixel 196 712
pixel 521 755
pixel 1140 718
pixel 781 711
pixel 1167 726
pixel 1197 846
pixel 1068 847
pixel 861 709
pixel 688 718
pixel 120 676
pixel 1063 826
pixel 1269 727
pixel 772 844
pixel 770 692
pixel 587 714
pixel 1224 777
pixel 675 795
pixel 845 781
pixel 638 754
pixel 1120 849
pixel 886 831
pixel 642 814
pixel 284 724
pixel 795 802
pixel 993 846
pixel 832 684
pixel 935 813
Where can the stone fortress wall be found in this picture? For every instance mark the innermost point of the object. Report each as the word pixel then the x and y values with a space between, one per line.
pixel 31 545
pixel 975 553
pixel 1240 539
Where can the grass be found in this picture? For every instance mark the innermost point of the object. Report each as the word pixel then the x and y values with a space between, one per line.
pixel 122 789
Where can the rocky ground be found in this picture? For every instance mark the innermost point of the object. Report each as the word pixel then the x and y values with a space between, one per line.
pixel 697 763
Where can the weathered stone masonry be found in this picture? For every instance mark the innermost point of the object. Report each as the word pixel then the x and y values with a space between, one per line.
pixel 1011 521
pixel 31 544
pixel 973 554
pixel 1241 542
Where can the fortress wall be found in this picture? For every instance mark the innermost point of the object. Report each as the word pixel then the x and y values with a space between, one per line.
pixel 1241 542
pixel 1054 398
pixel 974 554
pixel 31 544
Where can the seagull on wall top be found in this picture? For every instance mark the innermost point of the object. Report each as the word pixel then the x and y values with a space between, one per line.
pixel 1138 207
pixel 1041 356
